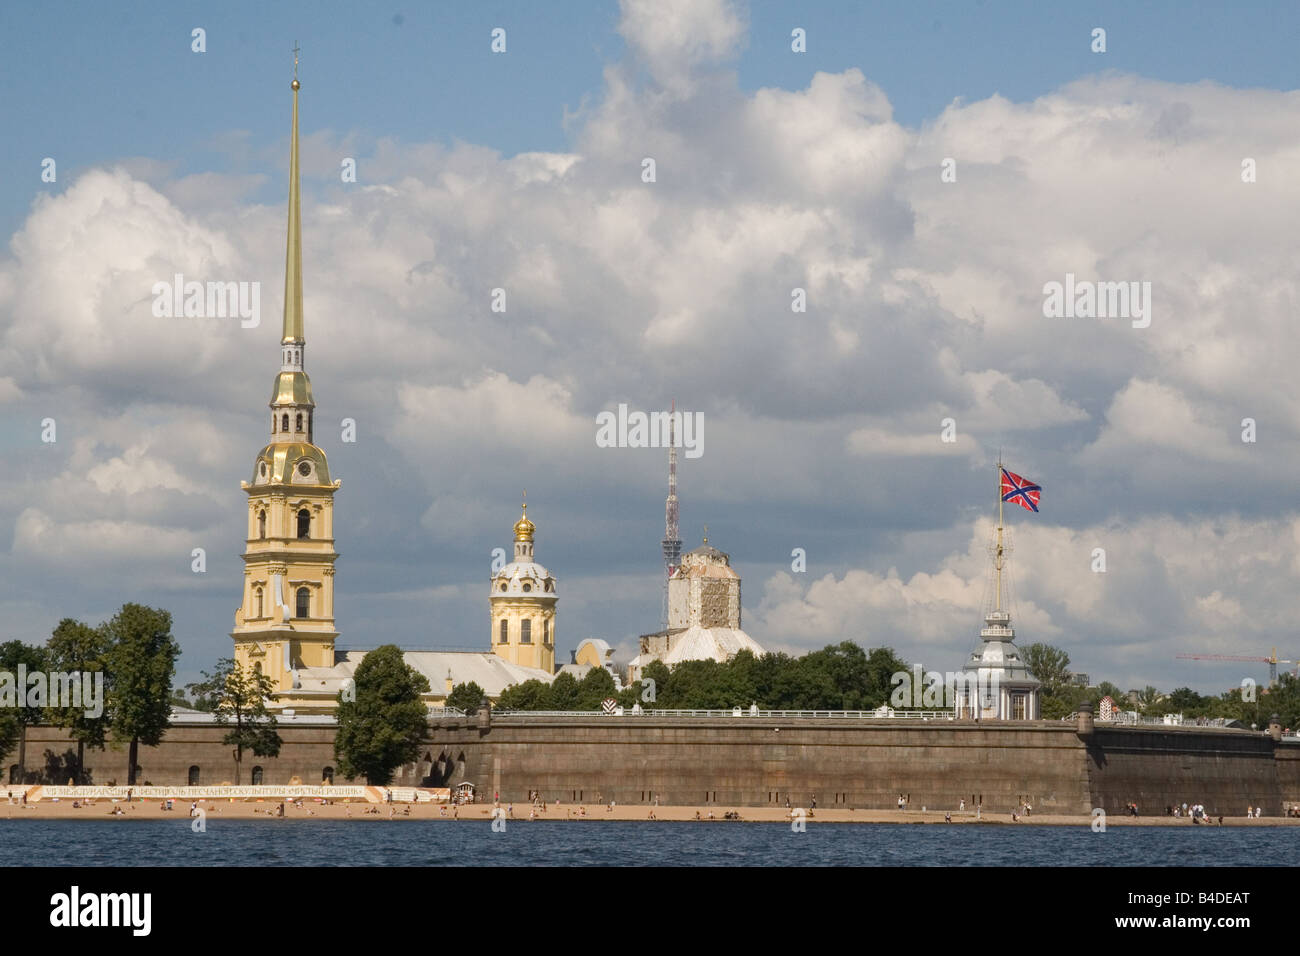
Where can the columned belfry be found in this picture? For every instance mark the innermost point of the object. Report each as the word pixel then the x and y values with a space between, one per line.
pixel 286 619
pixel 522 600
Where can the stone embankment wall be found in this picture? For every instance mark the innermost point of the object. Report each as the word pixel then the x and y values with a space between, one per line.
pixel 750 761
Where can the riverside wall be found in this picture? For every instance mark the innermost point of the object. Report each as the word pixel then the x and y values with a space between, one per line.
pixel 752 761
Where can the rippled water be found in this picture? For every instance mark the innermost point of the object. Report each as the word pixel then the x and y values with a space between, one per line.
pixel 631 843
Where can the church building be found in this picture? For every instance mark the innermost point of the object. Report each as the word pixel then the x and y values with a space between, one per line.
pixel 284 626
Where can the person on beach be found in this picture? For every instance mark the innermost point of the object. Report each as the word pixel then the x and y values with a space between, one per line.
pixel 962 805
pixel 900 802
pixel 947 817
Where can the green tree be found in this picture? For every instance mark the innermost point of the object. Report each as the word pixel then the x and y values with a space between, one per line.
pixel 236 696
pixel 466 697
pixel 1049 665
pixel 1151 702
pixel 141 661
pixel 530 695
pixel 77 648
pixel 383 728
pixel 32 659
pixel 564 692
pixel 596 685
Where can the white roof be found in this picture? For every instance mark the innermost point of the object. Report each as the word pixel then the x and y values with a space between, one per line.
pixel 492 673
pixel 716 643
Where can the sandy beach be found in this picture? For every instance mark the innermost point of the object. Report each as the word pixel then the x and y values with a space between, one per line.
pixel 577 813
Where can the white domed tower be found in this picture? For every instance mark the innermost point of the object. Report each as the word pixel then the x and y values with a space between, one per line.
pixel 522 600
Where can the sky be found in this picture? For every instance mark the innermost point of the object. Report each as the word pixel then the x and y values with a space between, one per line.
pixel 922 172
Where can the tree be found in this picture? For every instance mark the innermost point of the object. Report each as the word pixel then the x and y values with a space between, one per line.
pixel 142 662
pixel 1049 665
pixel 77 648
pixel 1149 701
pixel 14 654
pixel 530 695
pixel 466 697
pixel 383 728
pixel 564 692
pixel 238 695
pixel 595 686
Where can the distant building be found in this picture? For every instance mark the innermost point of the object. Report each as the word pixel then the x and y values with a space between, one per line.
pixel 590 654
pixel 523 600
pixel 703 615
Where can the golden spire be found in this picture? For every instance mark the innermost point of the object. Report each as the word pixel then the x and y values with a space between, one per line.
pixel 293 330
pixel 523 527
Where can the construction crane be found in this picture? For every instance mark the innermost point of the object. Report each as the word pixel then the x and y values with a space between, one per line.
pixel 1272 661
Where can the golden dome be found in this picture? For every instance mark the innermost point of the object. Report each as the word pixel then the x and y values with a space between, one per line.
pixel 523 527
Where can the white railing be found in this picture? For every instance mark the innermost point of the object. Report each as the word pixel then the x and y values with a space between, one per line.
pixel 880 714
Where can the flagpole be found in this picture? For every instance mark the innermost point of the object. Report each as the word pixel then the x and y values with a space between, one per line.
pixel 998 563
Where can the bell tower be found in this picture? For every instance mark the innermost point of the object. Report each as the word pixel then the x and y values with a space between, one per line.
pixel 522 601
pixel 286 619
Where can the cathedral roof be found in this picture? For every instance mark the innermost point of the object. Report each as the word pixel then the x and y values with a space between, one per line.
pixel 516 574
pixel 292 388
pixel 282 461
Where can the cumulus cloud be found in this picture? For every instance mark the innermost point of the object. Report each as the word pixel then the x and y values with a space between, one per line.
pixel 924 301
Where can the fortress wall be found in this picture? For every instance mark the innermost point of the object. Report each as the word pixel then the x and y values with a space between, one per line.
pixel 304 753
pixel 734 762
pixel 1226 770
pixel 737 762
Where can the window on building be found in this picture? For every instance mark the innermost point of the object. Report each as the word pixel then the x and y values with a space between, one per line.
pixel 546 631
pixel 257 776
pixel 257 594
pixel 284 422
pixel 304 602
pixel 505 632
pixel 526 631
pixel 261 524
pixel 527 588
pixel 298 422
pixel 1017 706
pixel 304 523
pixel 194 776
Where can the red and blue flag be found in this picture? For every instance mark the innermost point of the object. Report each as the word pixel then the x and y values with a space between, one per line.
pixel 1022 491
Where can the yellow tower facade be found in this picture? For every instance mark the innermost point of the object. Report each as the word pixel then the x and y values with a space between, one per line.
pixel 286 619
pixel 522 601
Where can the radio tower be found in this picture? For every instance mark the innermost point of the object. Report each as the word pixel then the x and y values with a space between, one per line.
pixel 672 544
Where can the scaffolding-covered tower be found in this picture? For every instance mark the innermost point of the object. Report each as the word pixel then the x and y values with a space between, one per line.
pixel 672 543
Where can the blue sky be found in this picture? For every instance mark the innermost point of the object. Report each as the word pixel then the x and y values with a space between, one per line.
pixel 99 83
pixel 817 170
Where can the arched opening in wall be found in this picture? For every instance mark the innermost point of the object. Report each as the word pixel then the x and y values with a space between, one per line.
pixel 546 631
pixel 298 422
pixel 304 523
pixel 258 596
pixel 505 631
pixel 327 777
pixel 261 524
pixel 15 775
pixel 256 776
pixel 526 631
pixel 304 602
pixel 193 778
pixel 257 668
pixel 284 422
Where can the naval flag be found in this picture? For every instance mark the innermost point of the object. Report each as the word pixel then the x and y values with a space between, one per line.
pixel 1020 490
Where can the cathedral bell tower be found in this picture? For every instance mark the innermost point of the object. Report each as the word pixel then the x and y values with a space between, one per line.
pixel 286 619
pixel 522 600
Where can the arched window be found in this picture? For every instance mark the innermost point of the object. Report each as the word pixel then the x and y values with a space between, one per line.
pixel 284 422
pixel 304 602
pixel 327 777
pixel 273 423
pixel 298 423
pixel 194 776
pixel 257 776
pixel 260 610
pixel 526 631
pixel 546 631
pixel 505 631
pixel 261 524
pixel 257 668
pixel 304 523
